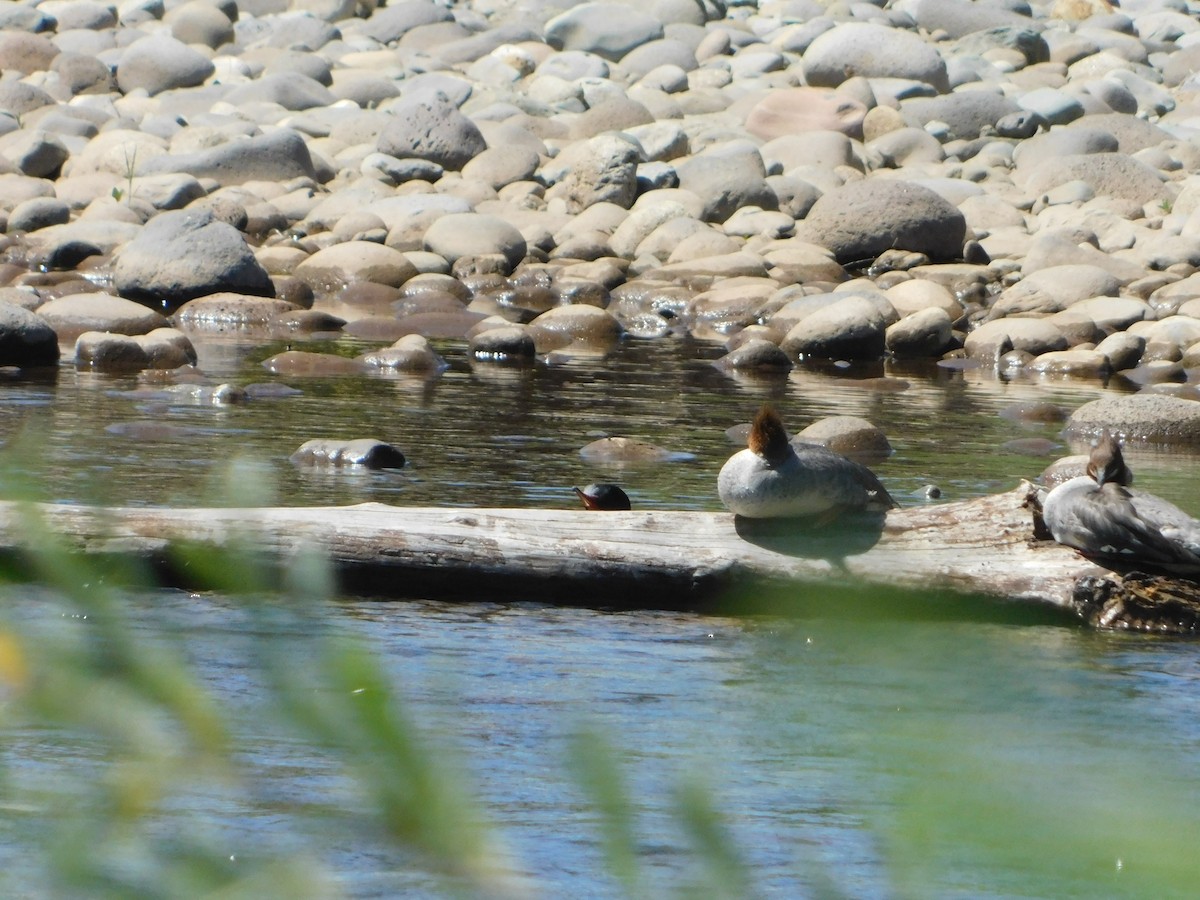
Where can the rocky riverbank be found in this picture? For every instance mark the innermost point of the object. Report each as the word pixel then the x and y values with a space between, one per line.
pixel 1004 184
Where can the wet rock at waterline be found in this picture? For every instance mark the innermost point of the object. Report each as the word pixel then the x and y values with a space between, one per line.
pixel 229 310
pixel 163 348
pixel 854 327
pixel 412 353
pixel 850 436
pixel 626 450
pixel 1138 418
pixel 317 365
pixel 367 453
pixel 27 340
pixel 755 355
pixel 503 343
pixel 181 255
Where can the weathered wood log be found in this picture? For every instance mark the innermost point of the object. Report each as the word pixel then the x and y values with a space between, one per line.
pixel 983 548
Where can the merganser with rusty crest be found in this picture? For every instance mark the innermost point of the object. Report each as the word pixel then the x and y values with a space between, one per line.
pixel 774 478
pixel 1102 517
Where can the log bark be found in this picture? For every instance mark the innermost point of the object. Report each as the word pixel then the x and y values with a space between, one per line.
pixel 982 549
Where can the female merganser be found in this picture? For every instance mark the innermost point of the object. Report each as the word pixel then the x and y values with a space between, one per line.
pixel 774 479
pixel 1101 516
pixel 603 496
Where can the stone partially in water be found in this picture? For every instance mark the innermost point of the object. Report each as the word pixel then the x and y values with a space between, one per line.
pixel 580 326
pixel 300 362
pixel 629 450
pixel 412 353
pixel 181 255
pixel 506 343
pixel 1138 418
pixel 225 310
pixel 756 354
pixel 26 339
pixel 851 328
pixel 365 452
pixel 850 436
pixel 163 348
pixel 923 334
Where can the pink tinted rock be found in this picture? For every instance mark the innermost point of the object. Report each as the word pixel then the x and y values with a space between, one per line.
pixel 801 109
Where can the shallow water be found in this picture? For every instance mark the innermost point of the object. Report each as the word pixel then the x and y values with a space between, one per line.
pixel 967 753
pixel 848 757
pixel 510 436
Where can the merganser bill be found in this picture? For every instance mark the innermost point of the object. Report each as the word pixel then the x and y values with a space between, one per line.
pixel 603 497
pixel 774 478
pixel 1099 515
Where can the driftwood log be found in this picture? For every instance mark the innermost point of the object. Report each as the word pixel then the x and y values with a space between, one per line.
pixel 941 555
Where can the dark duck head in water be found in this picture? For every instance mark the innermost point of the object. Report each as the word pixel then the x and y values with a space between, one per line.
pixel 1102 517
pixel 774 478
pixel 603 497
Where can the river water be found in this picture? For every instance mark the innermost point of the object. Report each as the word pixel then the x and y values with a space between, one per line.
pixel 888 751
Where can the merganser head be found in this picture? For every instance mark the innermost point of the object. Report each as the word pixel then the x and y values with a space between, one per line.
pixel 1106 464
pixel 768 437
pixel 603 497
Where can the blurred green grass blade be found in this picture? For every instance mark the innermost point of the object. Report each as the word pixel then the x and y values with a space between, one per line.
pixel 724 874
pixel 593 763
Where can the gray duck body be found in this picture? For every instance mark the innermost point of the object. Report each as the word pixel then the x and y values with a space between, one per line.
pixel 774 478
pixel 1099 515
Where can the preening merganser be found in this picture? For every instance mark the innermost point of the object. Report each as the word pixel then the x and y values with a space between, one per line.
pixel 1102 517
pixel 773 478
pixel 603 497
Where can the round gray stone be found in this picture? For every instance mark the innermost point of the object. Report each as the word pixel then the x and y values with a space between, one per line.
pixel 37 213
pixel 74 314
pixel 471 234
pixel 158 63
pixel 851 328
pixel 184 254
pixel 277 156
pixel 609 30
pixel 727 177
pixel 872 51
pixel 863 219
pixel 432 129
pixel 966 113
pixel 27 340
pixel 1142 418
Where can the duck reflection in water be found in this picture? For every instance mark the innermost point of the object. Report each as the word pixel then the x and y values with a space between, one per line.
pixel 1105 519
pixel 805 484
pixel 603 497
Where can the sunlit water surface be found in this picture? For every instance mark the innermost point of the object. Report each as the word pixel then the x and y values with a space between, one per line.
pixel 949 753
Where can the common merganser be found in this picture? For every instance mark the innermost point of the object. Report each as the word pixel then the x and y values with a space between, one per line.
pixel 774 478
pixel 603 497
pixel 1099 515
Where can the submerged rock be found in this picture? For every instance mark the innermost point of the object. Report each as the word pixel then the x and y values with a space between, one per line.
pixel 368 453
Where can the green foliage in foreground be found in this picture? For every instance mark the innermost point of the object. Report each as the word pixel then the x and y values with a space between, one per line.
pixel 151 735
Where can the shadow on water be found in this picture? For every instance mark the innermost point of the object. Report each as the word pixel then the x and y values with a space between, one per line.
pixel 834 600
pixel 813 538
